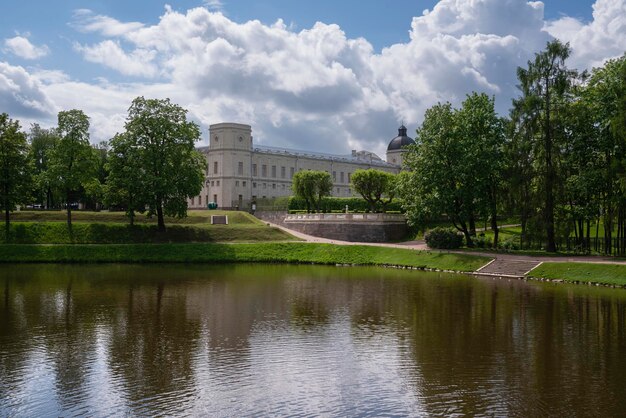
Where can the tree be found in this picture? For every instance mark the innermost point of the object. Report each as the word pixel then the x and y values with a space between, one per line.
pixel 71 161
pixel 15 173
pixel 373 185
pixel 125 184
pixel 173 170
pixel 545 86
pixel 312 186
pixel 42 141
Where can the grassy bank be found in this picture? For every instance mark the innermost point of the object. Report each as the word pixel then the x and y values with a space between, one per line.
pixel 232 253
pixel 610 274
pixel 112 233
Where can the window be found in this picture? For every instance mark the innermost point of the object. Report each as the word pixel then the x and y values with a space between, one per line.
pixel 244 184
pixel 349 175
pixel 254 172
pixel 236 183
pixel 218 183
pixel 206 200
pixel 265 185
pixel 273 171
pixel 334 176
pixel 291 172
pixel 341 177
pixel 274 186
pixel 283 187
pixel 263 170
pixel 212 182
pixel 283 172
pixel 215 198
pixel 193 201
pixel 240 168
pixel 214 167
pixel 253 185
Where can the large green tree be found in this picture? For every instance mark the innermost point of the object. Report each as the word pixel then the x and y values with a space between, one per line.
pixel 546 86
pixel 15 173
pixel 374 185
pixel 172 169
pixel 71 164
pixel 42 141
pixel 312 186
pixel 125 185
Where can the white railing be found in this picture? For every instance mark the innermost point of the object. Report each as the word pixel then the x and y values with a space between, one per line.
pixel 367 217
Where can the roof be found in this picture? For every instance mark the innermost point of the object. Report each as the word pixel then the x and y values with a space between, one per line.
pixel 401 140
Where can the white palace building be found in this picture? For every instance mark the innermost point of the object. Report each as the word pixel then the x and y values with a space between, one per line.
pixel 239 172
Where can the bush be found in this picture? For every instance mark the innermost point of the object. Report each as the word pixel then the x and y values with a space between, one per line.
pixel 443 238
pixel 509 243
pixel 483 242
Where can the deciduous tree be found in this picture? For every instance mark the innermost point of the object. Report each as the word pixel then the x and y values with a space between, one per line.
pixel 312 186
pixel 374 185
pixel 172 169
pixel 15 173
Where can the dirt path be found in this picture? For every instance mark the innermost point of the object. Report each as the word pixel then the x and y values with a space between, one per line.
pixel 502 265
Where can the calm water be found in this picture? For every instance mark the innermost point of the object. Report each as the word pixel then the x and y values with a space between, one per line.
pixel 304 341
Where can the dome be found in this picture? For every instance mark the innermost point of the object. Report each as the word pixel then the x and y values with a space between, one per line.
pixel 401 140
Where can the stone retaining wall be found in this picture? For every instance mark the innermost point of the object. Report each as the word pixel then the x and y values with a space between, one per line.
pixel 353 227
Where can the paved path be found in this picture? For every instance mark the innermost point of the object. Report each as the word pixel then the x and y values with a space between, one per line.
pixel 502 265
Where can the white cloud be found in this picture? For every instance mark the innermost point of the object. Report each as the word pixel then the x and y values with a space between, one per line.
pixel 110 54
pixel 317 89
pixel 596 41
pixel 216 5
pixel 22 94
pixel 23 48
pixel 86 21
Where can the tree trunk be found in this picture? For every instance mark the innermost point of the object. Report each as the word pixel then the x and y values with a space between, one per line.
pixel 132 217
pixel 161 222
pixel 549 209
pixel 7 223
pixel 472 225
pixel 69 210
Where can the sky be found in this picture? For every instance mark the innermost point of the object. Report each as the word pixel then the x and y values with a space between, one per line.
pixel 326 76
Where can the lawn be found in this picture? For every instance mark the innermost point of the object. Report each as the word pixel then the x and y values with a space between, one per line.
pixel 612 274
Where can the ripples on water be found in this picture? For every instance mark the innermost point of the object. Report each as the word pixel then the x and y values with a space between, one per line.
pixel 303 341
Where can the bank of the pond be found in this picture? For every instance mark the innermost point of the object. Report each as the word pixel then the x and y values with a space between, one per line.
pixel 604 274
pixel 235 253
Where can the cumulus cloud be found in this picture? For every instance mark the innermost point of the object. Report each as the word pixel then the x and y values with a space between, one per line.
pixel 23 48
pixel 110 54
pixel 86 21
pixel 316 88
pixel 594 42
pixel 22 94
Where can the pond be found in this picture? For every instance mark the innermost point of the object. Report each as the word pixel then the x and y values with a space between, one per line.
pixel 241 340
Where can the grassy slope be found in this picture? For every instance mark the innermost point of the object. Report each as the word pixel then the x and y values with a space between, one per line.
pixel 226 253
pixel 613 274
pixel 112 228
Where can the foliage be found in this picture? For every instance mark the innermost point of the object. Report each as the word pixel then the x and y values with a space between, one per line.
pixel 125 186
pixel 443 238
pixel 15 168
pixel 168 165
pixel 71 163
pixel 312 186
pixel 373 185
pixel 453 169
pixel 42 141
pixel 330 204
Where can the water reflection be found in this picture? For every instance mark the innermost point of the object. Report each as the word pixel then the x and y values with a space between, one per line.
pixel 298 340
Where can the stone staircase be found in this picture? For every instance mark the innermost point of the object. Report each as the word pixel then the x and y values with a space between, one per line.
pixel 507 268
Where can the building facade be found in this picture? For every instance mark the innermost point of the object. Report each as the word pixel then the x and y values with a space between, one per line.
pixel 239 172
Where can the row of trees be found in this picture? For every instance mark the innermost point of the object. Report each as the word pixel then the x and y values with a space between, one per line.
pixel 377 187
pixel 152 165
pixel 558 161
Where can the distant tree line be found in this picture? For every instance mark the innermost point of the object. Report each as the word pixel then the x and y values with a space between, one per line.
pixel 151 167
pixel 558 162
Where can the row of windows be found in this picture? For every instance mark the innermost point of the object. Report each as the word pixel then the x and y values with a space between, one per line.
pixel 283 171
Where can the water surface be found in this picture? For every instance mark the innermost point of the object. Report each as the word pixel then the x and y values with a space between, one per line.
pixel 263 340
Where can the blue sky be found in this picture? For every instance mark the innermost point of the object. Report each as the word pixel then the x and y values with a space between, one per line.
pixel 339 85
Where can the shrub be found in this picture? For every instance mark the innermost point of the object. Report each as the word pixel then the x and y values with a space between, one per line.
pixel 483 242
pixel 510 243
pixel 443 238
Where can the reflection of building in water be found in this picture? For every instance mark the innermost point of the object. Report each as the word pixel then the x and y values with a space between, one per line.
pixel 239 172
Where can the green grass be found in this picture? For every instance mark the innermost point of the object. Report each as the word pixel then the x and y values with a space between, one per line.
pixel 612 274
pixel 232 253
pixel 194 217
pixel 116 233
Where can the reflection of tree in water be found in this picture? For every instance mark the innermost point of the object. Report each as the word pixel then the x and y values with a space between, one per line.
pixel 152 347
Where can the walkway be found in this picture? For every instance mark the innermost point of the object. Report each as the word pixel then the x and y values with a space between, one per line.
pixel 502 265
